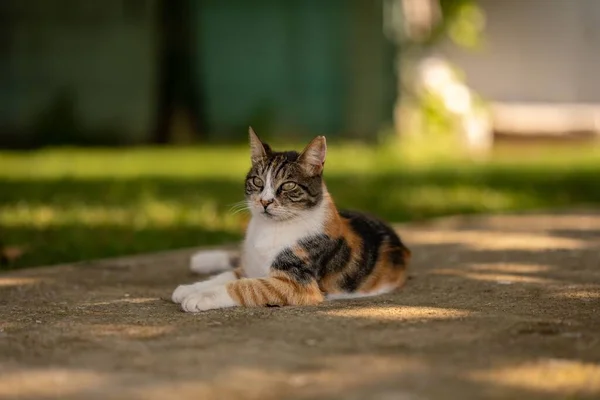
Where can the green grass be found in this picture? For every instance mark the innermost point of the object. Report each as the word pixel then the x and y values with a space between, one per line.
pixel 64 205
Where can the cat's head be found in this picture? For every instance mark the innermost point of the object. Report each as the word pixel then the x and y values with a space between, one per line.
pixel 284 185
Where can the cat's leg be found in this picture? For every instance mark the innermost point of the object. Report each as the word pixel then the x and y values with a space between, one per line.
pixel 183 291
pixel 213 261
pixel 279 289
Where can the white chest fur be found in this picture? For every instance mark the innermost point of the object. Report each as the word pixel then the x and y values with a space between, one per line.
pixel 265 239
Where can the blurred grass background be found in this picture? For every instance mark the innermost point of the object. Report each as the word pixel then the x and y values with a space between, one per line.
pixel 149 75
pixel 68 204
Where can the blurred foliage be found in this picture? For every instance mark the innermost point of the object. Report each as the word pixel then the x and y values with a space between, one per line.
pixel 63 205
pixel 430 108
pixel 467 23
pixel 434 111
pixel 463 21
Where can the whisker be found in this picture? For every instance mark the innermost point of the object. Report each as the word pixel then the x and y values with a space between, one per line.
pixel 238 207
pixel 234 212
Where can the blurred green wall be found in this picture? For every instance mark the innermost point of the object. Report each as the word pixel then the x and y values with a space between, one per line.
pixel 293 67
pixel 86 71
pixel 82 71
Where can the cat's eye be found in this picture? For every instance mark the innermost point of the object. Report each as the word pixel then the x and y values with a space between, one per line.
pixel 258 182
pixel 288 186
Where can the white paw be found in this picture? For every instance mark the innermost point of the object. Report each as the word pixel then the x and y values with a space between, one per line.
pixel 183 291
pixel 209 299
pixel 208 262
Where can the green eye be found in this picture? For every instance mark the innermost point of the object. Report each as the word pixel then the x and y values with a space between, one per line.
pixel 288 186
pixel 258 182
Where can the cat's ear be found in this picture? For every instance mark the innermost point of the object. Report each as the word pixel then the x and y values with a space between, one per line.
pixel 258 149
pixel 312 157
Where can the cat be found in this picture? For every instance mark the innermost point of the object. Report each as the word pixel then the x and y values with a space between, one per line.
pixel 298 249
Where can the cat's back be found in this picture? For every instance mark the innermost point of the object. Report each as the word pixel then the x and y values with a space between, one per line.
pixel 375 236
pixel 367 226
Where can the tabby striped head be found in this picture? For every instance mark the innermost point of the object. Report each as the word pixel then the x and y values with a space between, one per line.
pixel 283 185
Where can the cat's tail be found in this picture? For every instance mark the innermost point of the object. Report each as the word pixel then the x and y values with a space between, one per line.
pixel 212 261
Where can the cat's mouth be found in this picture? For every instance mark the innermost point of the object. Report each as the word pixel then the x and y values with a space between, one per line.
pixel 267 213
pixel 271 216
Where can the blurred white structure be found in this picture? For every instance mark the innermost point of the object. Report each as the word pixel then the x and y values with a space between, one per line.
pixel 539 66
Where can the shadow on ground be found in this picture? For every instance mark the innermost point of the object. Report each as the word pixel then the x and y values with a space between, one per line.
pixel 498 307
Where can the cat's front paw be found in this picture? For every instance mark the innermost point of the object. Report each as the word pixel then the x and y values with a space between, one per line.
pixel 184 291
pixel 208 300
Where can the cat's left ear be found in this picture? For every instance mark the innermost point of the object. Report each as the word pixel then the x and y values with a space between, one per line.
pixel 312 157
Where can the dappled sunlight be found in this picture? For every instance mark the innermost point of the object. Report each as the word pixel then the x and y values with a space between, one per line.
pixel 579 292
pixel 510 268
pixel 585 222
pixel 503 273
pixel 124 331
pixel 142 213
pixel 460 197
pixel 566 377
pixel 328 376
pixel 8 281
pixel 399 313
pixel 91 164
pixel 48 383
pixel 493 277
pixel 133 300
pixel 485 240
pixel 75 204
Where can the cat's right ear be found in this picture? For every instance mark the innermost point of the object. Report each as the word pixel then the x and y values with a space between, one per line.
pixel 258 149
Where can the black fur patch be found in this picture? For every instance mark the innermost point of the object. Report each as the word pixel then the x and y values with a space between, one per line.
pixel 374 233
pixel 290 263
pixel 326 255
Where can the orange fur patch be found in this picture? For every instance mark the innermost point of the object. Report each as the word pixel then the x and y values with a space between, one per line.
pixel 332 226
pixel 384 274
pixel 278 290
pixel 301 253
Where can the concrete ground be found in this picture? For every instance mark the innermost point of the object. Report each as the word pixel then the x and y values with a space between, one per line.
pixel 504 307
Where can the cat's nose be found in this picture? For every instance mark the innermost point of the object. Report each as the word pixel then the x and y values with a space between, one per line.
pixel 266 203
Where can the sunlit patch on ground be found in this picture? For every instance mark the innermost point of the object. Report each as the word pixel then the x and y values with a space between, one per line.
pixel 478 240
pixel 493 277
pixel 399 313
pixel 8 281
pixel 329 377
pixel 126 331
pixel 134 300
pixel 583 222
pixel 581 292
pixel 502 273
pixel 510 268
pixel 47 383
pixel 568 377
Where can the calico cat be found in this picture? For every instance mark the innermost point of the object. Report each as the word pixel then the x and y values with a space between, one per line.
pixel 299 249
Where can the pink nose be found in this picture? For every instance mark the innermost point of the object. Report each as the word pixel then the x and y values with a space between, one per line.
pixel 266 203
